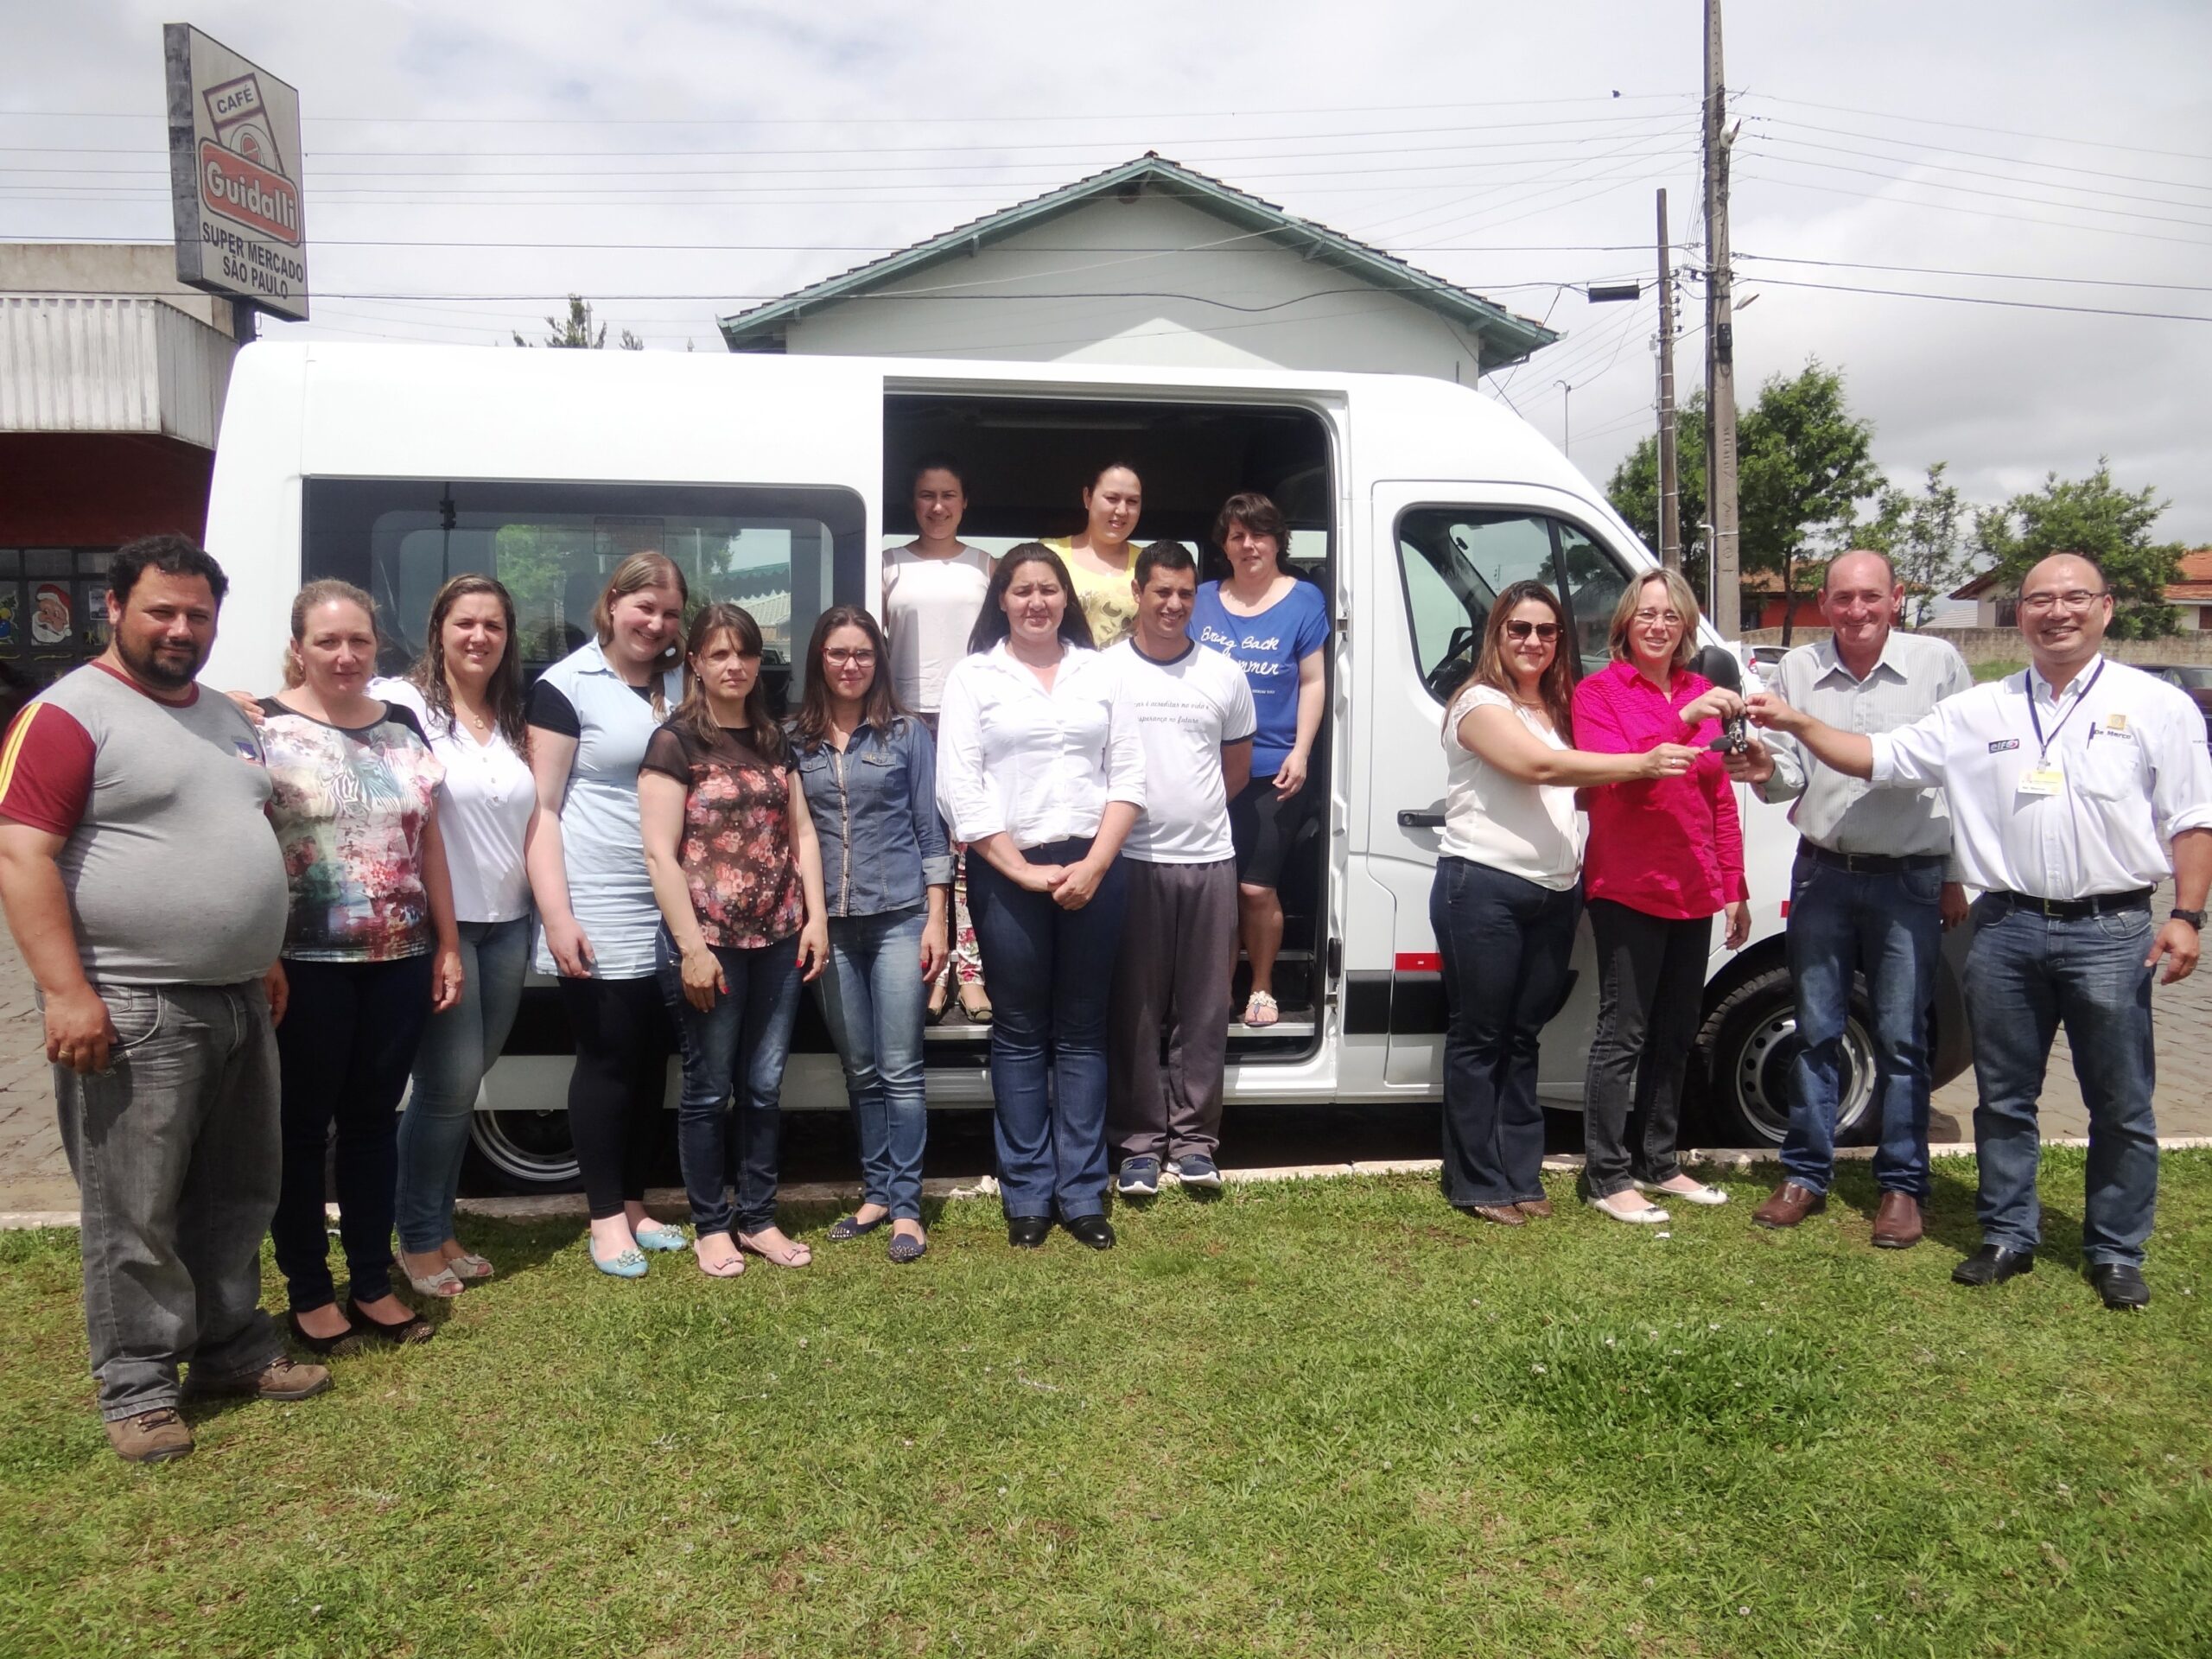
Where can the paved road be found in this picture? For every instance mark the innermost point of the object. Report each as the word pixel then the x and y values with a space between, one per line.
pixel 35 1176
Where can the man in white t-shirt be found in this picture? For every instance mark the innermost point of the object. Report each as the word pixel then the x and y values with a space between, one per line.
pixel 1168 1035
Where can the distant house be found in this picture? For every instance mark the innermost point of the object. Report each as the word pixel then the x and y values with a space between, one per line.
pixel 1766 607
pixel 1996 606
pixel 1149 264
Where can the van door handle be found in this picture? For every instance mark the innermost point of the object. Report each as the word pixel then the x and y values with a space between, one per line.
pixel 1409 819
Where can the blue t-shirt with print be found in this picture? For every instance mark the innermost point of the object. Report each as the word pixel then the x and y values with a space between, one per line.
pixel 1267 647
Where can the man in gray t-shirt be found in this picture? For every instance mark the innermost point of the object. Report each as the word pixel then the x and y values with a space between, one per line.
pixel 148 896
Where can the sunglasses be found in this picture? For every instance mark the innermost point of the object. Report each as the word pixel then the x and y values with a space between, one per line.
pixel 1546 632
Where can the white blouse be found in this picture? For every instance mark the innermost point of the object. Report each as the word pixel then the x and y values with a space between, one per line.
pixel 1531 830
pixel 483 807
pixel 1036 764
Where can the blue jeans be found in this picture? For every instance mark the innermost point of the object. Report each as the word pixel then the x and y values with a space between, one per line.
pixel 873 998
pixel 1506 943
pixel 176 1149
pixel 743 1039
pixel 1890 929
pixel 2026 974
pixel 458 1048
pixel 1050 973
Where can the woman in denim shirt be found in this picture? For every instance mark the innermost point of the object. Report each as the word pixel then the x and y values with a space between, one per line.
pixel 870 775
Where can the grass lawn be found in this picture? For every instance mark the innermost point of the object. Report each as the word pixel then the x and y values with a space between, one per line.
pixel 1333 1417
pixel 1985 673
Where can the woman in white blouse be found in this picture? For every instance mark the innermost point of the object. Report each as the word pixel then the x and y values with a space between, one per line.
pixel 1040 771
pixel 466 692
pixel 1508 892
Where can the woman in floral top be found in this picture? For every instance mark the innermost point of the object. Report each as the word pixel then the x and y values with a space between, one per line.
pixel 738 878
pixel 371 951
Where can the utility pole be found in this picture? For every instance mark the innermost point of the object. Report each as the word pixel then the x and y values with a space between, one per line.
pixel 1565 415
pixel 1670 485
pixel 1727 608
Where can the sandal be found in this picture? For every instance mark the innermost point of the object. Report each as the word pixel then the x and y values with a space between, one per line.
pixel 1260 1003
pixel 445 1283
pixel 469 1266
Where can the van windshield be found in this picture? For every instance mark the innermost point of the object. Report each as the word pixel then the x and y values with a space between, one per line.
pixel 785 555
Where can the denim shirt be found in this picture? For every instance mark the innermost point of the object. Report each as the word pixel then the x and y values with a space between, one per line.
pixel 874 811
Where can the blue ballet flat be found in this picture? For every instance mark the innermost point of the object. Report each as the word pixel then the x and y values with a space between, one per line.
pixel 631 1264
pixel 652 1235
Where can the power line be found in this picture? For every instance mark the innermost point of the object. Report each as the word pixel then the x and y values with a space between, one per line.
pixel 1988 275
pixel 1980 299
pixel 2105 191
pixel 1969 126
pixel 1977 155
pixel 831 247
pixel 1975 190
pixel 1984 212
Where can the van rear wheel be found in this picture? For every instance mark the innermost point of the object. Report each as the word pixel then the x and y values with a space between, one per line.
pixel 522 1153
pixel 1749 1044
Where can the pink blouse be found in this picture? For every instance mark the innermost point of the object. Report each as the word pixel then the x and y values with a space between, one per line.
pixel 1669 847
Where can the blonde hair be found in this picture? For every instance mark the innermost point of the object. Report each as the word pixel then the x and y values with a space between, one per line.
pixel 325 591
pixel 1678 595
pixel 635 574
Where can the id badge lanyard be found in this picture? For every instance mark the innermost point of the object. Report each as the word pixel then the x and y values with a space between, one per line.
pixel 2048 779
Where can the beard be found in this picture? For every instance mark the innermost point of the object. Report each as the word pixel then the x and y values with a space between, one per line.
pixel 154 666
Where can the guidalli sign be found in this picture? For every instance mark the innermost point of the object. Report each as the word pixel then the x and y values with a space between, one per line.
pixel 234 175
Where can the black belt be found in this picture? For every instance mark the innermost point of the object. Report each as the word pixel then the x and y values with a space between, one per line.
pixel 2075 910
pixel 1870 863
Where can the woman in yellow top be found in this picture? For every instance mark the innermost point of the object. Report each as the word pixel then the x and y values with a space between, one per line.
pixel 1099 556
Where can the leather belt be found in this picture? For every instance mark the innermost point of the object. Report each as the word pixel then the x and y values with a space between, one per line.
pixel 2075 910
pixel 1870 863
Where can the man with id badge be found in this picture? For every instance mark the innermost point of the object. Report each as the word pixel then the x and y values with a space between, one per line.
pixel 2067 783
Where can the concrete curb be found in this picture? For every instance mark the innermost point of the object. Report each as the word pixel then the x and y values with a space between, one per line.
pixel 670 1200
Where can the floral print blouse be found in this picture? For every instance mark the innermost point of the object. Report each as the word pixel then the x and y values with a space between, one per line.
pixel 350 807
pixel 736 848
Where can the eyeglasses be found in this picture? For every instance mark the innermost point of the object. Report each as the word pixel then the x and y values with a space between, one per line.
pixel 1672 619
pixel 1546 632
pixel 843 656
pixel 2078 599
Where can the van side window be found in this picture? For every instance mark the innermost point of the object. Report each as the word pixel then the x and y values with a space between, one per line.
pixel 785 555
pixel 1456 560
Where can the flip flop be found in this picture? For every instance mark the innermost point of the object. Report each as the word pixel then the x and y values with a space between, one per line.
pixel 1257 1001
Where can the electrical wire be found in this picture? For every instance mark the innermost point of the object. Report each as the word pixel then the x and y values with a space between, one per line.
pixel 1986 275
pixel 1982 299
pixel 1969 126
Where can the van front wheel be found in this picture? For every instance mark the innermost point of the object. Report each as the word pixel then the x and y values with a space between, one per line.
pixel 1749 1044
pixel 524 1153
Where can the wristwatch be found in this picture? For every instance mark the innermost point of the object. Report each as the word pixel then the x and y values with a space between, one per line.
pixel 2193 917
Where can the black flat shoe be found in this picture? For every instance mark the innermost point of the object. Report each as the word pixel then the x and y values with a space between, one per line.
pixel 414 1328
pixel 1095 1230
pixel 348 1341
pixel 1027 1232
pixel 1993 1264
pixel 853 1227
pixel 904 1248
pixel 2121 1286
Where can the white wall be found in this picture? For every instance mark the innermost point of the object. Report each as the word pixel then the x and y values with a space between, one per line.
pixel 137 269
pixel 1100 248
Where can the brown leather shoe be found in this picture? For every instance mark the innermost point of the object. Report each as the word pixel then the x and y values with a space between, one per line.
pixel 1897 1221
pixel 1789 1203
pixel 282 1378
pixel 1535 1209
pixel 150 1437
pixel 1504 1215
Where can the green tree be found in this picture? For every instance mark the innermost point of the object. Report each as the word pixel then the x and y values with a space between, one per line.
pixel 1634 488
pixel 575 332
pixel 1804 462
pixel 2089 516
pixel 1923 531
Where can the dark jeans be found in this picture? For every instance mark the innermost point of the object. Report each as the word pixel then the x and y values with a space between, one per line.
pixel 176 1149
pixel 1170 1010
pixel 1650 988
pixel 1505 942
pixel 1890 929
pixel 873 1001
pixel 1050 973
pixel 2026 974
pixel 618 1085
pixel 743 1039
pixel 346 1046
pixel 458 1048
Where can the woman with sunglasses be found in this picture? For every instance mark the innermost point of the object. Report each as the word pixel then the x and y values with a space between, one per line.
pixel 1509 890
pixel 1665 856
pixel 869 771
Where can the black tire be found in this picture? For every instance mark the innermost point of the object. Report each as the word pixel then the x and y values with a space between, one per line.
pixel 1745 1052
pixel 521 1153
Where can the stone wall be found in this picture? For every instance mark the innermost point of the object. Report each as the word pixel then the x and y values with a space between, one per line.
pixel 2005 645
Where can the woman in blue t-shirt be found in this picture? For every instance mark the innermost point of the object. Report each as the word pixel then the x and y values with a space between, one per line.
pixel 1275 627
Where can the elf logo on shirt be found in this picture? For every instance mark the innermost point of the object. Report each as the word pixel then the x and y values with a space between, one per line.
pixel 2003 744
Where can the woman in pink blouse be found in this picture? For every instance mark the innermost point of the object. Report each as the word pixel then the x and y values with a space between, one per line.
pixel 1664 855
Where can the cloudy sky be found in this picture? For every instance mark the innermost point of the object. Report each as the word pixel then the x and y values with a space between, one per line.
pixel 2017 156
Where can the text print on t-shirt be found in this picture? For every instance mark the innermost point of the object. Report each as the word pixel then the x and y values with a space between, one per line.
pixel 1209 635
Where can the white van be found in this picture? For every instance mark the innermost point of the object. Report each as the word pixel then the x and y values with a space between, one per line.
pixel 774 481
